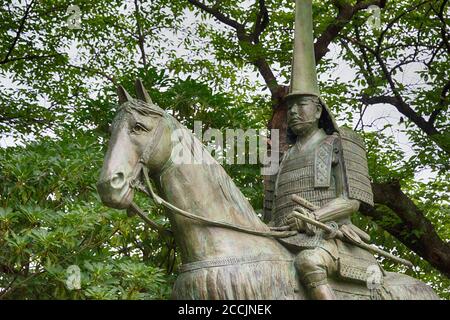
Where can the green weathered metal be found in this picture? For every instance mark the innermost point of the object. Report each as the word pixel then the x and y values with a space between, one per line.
pixel 226 250
pixel 304 74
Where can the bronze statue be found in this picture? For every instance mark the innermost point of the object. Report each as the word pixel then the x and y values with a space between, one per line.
pixel 325 165
pixel 227 252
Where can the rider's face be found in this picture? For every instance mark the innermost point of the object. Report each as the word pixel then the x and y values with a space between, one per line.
pixel 303 114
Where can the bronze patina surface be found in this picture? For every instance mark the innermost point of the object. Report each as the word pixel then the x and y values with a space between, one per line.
pixel 226 250
pixel 218 262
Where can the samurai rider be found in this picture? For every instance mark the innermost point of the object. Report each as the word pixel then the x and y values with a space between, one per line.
pixel 325 165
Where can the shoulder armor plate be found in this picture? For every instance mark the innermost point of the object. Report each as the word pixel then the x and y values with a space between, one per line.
pixel 355 166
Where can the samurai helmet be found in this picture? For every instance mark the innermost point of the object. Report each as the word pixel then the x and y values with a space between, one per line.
pixel 304 80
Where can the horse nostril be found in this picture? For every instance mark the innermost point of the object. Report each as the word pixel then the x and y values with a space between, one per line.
pixel 117 180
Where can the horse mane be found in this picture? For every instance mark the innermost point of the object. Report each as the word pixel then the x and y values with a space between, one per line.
pixel 142 107
pixel 230 191
pixel 201 155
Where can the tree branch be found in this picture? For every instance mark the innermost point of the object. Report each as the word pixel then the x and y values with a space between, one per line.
pixel 378 99
pixel 405 109
pixel 345 15
pixel 5 290
pixel 217 14
pixel 442 104
pixel 440 15
pixel 28 57
pixel 95 71
pixel 140 35
pixel 19 31
pixel 260 62
pixel 262 21
pixel 398 102
pixel 393 21
pixel 411 227
pixel 17 120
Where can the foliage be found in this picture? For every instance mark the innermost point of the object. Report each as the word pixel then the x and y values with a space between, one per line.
pixel 57 98
pixel 51 218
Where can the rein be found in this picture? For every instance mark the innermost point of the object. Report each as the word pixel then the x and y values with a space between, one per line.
pixel 210 222
pixel 148 189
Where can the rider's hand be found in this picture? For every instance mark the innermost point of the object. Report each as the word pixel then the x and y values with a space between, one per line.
pixel 309 228
pixel 299 225
pixel 294 223
pixel 348 232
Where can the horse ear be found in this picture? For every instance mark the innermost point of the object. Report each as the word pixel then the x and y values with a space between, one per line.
pixel 142 94
pixel 124 96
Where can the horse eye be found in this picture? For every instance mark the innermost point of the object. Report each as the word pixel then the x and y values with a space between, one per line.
pixel 139 127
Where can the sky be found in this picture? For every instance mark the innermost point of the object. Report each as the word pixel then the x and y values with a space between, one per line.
pixel 381 114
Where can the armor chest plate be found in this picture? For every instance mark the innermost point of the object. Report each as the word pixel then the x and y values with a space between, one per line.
pixel 297 176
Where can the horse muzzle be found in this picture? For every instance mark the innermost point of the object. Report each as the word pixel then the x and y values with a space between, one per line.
pixel 115 191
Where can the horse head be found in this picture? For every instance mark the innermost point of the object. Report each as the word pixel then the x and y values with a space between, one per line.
pixel 140 136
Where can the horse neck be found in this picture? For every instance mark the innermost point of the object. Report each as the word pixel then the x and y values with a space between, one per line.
pixel 206 190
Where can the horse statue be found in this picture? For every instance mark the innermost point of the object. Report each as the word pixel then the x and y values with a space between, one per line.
pixel 236 255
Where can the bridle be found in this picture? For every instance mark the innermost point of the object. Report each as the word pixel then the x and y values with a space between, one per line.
pixel 142 171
